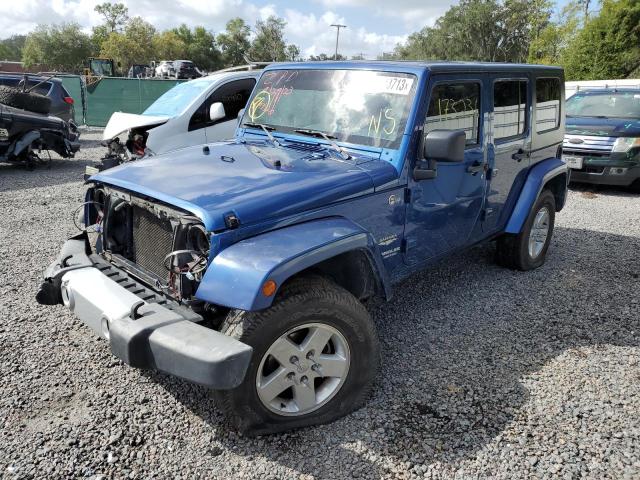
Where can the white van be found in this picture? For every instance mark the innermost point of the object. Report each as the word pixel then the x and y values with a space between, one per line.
pixel 192 113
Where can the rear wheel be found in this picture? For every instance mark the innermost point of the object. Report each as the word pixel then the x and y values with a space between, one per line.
pixel 528 249
pixel 315 358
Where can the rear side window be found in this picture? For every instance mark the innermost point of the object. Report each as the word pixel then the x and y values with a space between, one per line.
pixel 547 104
pixel 509 107
pixel 455 106
pixel 232 95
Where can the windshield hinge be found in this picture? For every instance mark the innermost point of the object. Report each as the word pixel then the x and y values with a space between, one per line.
pixel 407 195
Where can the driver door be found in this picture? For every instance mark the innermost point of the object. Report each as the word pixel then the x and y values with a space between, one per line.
pixel 443 211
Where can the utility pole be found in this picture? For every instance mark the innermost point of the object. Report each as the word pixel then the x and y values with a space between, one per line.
pixel 338 27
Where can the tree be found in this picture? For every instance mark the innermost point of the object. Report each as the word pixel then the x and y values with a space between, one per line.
pixel 609 44
pixel 292 53
pixel 169 46
pixel 134 46
pixel 324 57
pixel 61 47
pixel 200 47
pixel 116 15
pixel 11 48
pixel 234 42
pixel 481 30
pixel 269 44
pixel 549 46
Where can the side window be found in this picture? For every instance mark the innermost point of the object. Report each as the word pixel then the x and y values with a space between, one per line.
pixel 509 108
pixel 547 104
pixel 455 106
pixel 232 95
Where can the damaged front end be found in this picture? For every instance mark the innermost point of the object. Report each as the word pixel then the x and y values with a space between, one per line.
pixel 125 138
pixel 136 288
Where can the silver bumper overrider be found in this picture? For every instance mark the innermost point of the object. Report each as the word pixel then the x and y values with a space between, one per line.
pixel 141 332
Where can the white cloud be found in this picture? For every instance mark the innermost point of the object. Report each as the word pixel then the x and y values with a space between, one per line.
pixel 414 13
pixel 311 31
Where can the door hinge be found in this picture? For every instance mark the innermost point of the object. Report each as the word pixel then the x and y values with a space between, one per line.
pixel 407 195
pixel 403 245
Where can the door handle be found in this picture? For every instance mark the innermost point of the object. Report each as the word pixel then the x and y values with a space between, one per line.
pixel 477 167
pixel 520 155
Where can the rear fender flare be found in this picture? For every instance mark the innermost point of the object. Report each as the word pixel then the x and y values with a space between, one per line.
pixel 538 177
pixel 235 276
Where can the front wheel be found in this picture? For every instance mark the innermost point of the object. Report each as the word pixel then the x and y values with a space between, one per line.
pixel 315 358
pixel 528 249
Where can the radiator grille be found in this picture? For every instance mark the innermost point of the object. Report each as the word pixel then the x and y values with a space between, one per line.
pixel 152 241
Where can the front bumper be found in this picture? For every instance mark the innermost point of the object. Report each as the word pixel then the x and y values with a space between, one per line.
pixel 143 329
pixel 605 175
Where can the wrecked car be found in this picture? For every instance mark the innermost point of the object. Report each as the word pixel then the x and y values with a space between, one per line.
pixel 245 265
pixel 192 113
pixel 25 135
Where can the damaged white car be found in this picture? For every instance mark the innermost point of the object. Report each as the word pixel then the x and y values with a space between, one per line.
pixel 192 113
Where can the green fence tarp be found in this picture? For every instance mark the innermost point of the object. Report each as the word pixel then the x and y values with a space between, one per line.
pixel 130 95
pixel 73 85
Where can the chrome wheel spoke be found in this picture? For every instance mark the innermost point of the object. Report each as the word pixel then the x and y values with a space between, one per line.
pixel 283 349
pixel 539 232
pixel 274 384
pixel 316 340
pixel 332 365
pixel 304 396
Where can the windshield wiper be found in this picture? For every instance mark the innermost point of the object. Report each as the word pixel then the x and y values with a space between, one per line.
pixel 329 138
pixel 267 129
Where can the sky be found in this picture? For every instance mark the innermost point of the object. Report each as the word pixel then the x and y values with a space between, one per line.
pixel 373 26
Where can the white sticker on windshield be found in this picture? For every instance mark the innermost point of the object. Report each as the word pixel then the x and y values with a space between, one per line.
pixel 372 83
pixel 396 85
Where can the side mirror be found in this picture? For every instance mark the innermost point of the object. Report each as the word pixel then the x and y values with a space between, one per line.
pixel 439 145
pixel 240 113
pixel 216 111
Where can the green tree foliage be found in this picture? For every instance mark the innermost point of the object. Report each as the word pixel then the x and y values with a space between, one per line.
pixel 11 48
pixel 292 53
pixel 133 46
pixel 482 30
pixel 234 42
pixel 169 46
pixel 324 57
pixel 609 44
pixel 62 47
pixel 549 46
pixel 269 44
pixel 200 47
pixel 116 15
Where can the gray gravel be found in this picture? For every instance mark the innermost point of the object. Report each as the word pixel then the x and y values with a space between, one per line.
pixel 486 372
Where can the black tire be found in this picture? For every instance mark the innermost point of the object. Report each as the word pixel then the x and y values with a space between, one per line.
pixel 30 101
pixel 513 250
pixel 302 301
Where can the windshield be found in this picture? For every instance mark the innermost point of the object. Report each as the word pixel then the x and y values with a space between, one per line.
pixel 176 100
pixel 361 107
pixel 617 104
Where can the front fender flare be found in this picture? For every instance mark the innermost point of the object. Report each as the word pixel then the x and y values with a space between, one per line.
pixel 538 177
pixel 235 276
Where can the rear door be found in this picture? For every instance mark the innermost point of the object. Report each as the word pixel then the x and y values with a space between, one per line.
pixel 509 146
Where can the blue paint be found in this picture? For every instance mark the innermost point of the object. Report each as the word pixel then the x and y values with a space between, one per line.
pixel 236 275
pixel 300 203
pixel 538 176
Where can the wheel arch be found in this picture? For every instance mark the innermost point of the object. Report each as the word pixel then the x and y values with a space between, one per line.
pixel 333 247
pixel 551 174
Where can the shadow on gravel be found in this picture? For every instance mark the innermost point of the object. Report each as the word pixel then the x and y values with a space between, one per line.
pixel 460 341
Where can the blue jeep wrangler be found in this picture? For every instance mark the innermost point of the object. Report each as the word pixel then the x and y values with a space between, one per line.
pixel 242 265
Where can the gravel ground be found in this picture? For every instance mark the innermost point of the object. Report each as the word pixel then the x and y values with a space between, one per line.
pixel 486 372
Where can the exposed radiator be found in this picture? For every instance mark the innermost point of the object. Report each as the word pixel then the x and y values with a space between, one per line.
pixel 152 241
